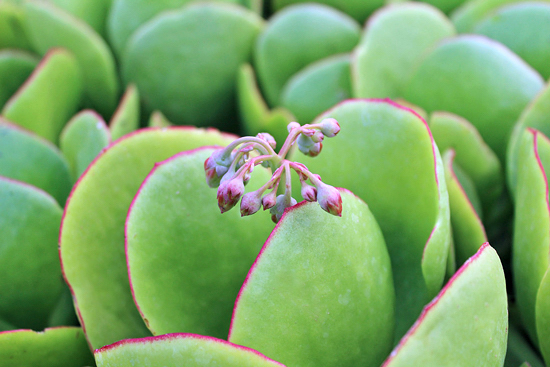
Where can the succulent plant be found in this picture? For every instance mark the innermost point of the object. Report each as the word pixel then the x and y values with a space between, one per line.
pixel 113 250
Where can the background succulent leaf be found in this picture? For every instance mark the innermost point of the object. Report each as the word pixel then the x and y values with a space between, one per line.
pixel 92 233
pixel 157 119
pixel 185 62
pixel 321 290
pixel 186 269
pixel 358 9
pixel 29 158
pixel 127 115
pixel 82 139
pixel 394 41
pixel 542 313
pixel 49 26
pixel 54 347
pixel 31 284
pixel 93 12
pixel 49 97
pixel 12 32
pixel 180 349
pixel 466 323
pixel 15 68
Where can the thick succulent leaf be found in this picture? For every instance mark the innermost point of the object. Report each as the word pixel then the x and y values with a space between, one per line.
pixel 254 112
pixel 385 154
pixel 126 117
pixel 54 347
pixel 157 119
pixel 393 43
pixel 126 16
pixel 49 26
pixel 531 242
pixel 543 316
pixel 31 159
pixel 92 233
pixel 473 155
pixel 525 29
pixel 297 36
pixel 12 34
pixel 485 76
pixel 466 323
pixel 15 67
pixel 29 262
pixel 537 116
pixel 519 349
pixel 180 350
pixel 317 87
pixel 185 62
pixel 358 9
pixel 468 231
pixel 49 97
pixel 186 268
pixel 92 12
pixel 84 137
pixel 320 292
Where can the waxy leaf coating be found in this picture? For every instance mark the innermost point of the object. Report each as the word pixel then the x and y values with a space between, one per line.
pixel 126 117
pixel 15 68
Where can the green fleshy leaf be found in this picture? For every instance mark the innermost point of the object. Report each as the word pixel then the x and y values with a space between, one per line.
pixel 92 233
pixel 49 97
pixel 31 285
pixel 12 32
pixel 126 117
pixel 15 67
pixel 84 137
pixel 542 310
pixel 445 6
pixel 384 153
pixel 485 76
pixel 157 119
pixel 466 323
pixel 524 29
pixel 519 349
pixel 206 267
pixel 297 36
pixel 468 231
pixel 185 62
pixel 537 116
pixel 179 350
pixel 317 87
pixel 64 313
pixel 531 242
pixel 320 292
pixel 126 16
pixel 92 12
pixel 49 26
pixel 395 40
pixel 54 347
pixel 31 159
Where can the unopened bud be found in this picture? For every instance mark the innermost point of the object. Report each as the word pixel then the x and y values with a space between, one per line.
pixel 315 150
pixel 214 172
pixel 292 125
pixel 329 199
pixel 229 193
pixel 317 137
pixel 279 208
pixel 251 203
pixel 330 127
pixel 269 200
pixel 309 192
pixel 268 138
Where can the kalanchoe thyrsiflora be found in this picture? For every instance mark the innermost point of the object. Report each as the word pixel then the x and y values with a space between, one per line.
pixel 229 169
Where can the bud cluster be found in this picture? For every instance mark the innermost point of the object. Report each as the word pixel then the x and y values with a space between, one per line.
pixel 229 170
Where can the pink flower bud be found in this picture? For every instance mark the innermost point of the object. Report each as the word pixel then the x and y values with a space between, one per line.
pixel 268 138
pixel 309 192
pixel 315 150
pixel 329 199
pixel 269 200
pixel 214 171
pixel 229 193
pixel 282 203
pixel 330 127
pixel 250 203
pixel 292 125
pixel 317 137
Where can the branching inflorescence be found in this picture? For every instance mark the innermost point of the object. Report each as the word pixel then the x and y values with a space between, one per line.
pixel 229 169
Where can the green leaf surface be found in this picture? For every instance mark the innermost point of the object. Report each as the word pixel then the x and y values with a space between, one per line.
pixel 385 154
pixel 126 117
pixel 92 233
pixel 317 87
pixel 358 9
pixel 84 137
pixel 34 160
pixel 531 242
pixel 525 29
pixel 186 268
pixel 48 27
pixel 520 350
pixel 12 32
pixel 490 86
pixel 468 231
pixel 185 61
pixel 126 16
pixel 49 97
pixel 466 324
pixel 180 350
pixel 29 261
pixel 320 292
pixel 157 119
pixel 536 115
pixel 93 12
pixel 15 67
pixel 297 36
pixel 54 347
pixel 542 309
pixel 394 41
